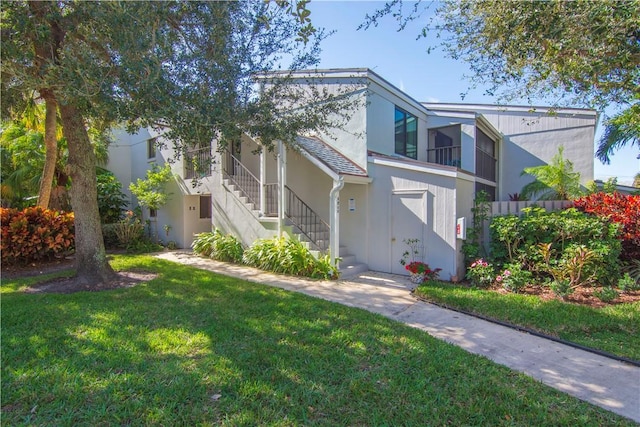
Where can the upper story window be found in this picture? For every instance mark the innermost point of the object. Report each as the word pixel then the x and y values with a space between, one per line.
pixel 406 125
pixel 151 148
pixel 485 156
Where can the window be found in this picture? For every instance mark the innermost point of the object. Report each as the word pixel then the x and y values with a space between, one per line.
pixel 205 207
pixel 151 148
pixel 406 126
pixel 153 213
pixel 485 156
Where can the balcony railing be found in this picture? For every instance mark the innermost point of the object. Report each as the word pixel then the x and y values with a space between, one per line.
pixel 485 165
pixel 448 156
pixel 197 163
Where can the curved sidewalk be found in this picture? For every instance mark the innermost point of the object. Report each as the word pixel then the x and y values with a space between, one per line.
pixel 604 382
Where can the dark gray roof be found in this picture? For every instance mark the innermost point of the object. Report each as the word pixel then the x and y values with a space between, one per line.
pixel 328 155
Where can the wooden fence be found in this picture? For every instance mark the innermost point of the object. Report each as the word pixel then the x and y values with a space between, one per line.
pixel 504 208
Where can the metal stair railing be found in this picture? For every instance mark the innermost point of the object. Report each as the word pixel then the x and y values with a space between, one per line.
pixel 307 220
pixel 242 178
pixel 297 211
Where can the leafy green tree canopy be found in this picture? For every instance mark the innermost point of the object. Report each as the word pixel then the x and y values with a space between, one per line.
pixel 587 51
pixel 185 66
pixel 150 191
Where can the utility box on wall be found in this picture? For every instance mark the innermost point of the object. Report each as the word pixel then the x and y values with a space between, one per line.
pixel 461 228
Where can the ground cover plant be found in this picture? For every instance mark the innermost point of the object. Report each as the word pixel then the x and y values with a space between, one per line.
pixel 611 328
pixel 195 348
pixel 278 254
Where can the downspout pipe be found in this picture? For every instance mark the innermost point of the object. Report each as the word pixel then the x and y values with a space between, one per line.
pixel 334 219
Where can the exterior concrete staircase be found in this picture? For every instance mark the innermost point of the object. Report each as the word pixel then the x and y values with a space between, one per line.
pixel 308 231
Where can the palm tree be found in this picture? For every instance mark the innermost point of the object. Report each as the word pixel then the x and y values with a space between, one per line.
pixel 554 181
pixel 621 129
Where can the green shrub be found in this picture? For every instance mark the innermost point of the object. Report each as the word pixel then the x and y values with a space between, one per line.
pixel 111 199
pixel 109 236
pixel 143 246
pixel 561 288
pixel 606 294
pixel 34 233
pixel 514 278
pixel 633 268
pixel 288 256
pixel 217 246
pixel 628 283
pixel 481 274
pixel 542 241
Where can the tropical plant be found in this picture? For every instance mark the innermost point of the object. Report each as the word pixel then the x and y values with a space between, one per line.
pixel 553 181
pixel 34 234
pixel 218 246
pixel 129 230
pixel 620 130
pixel 622 209
pixel 288 256
pixel 539 240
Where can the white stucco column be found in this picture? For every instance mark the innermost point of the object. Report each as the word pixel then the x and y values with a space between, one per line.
pixel 282 181
pixel 263 178
pixel 334 219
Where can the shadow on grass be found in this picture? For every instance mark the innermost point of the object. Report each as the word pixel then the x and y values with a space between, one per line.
pixel 192 347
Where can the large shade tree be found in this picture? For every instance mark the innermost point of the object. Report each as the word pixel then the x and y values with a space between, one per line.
pixel 581 51
pixel 184 66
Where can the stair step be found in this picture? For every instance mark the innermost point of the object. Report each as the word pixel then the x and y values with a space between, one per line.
pixel 352 270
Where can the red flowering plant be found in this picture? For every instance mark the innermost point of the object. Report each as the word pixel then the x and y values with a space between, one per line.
pixel 418 267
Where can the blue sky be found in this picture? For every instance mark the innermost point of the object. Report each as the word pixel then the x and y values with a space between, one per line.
pixel 403 61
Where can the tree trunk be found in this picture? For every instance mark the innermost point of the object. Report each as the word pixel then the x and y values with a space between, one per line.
pixel 91 261
pixel 51 150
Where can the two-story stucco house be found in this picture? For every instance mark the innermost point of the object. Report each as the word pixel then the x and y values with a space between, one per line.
pixel 400 169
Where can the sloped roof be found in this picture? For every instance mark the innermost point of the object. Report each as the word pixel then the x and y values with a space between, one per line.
pixel 329 156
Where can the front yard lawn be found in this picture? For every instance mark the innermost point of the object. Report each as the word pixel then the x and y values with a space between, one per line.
pixel 614 328
pixel 195 348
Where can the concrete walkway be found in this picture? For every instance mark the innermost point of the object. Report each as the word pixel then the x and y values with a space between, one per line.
pixel 604 382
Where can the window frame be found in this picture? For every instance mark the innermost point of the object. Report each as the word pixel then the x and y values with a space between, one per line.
pixel 151 148
pixel 406 138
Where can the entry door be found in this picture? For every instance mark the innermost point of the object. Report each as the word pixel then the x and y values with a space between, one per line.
pixel 408 220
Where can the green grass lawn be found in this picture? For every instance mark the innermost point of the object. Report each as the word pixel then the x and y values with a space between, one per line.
pixel 614 329
pixel 195 348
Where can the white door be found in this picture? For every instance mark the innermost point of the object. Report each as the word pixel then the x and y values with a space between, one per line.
pixel 408 220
